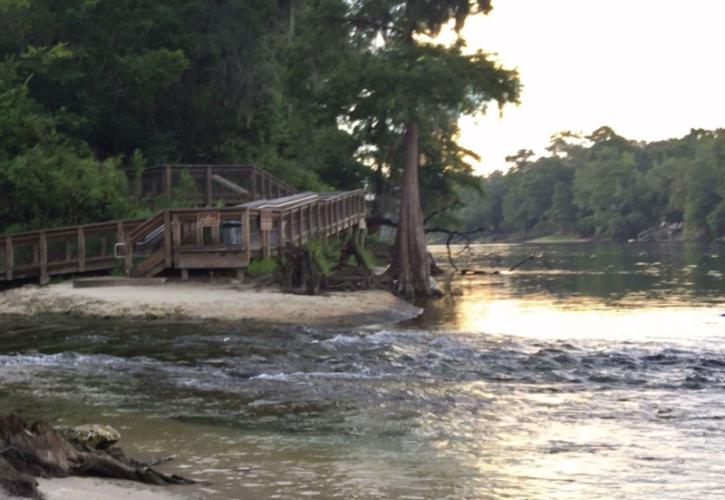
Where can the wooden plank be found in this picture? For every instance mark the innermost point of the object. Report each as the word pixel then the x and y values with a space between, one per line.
pixel 300 216
pixel 265 220
pixel 227 259
pixel 208 187
pixel 265 244
pixel 44 279
pixel 120 233
pixel 318 219
pixel 176 232
pixel 282 231
pixel 229 185
pixel 246 236
pixel 168 250
pixel 81 249
pixel 253 184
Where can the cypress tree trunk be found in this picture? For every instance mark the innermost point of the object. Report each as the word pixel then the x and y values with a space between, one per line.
pixel 410 258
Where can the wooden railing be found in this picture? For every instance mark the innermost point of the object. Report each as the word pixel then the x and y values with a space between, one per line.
pixel 228 238
pixel 187 238
pixel 65 250
pixel 215 184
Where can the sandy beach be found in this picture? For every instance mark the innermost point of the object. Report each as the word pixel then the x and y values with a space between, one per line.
pixel 207 301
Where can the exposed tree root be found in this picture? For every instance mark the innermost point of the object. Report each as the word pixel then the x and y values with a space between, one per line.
pixel 39 450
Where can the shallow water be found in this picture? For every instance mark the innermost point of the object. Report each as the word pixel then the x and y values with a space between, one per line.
pixel 595 371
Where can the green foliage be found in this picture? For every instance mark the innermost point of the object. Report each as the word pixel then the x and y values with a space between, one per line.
pixel 604 185
pixel 185 193
pixel 261 267
pixel 304 89
pixel 46 178
pixel 326 253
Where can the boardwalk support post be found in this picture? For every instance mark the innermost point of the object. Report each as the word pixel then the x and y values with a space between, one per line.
pixel 44 278
pixel 81 250
pixel 9 258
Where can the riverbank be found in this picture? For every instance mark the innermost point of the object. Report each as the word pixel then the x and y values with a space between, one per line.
pixel 208 301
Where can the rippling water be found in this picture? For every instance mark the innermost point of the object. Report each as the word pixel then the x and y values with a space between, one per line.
pixel 595 371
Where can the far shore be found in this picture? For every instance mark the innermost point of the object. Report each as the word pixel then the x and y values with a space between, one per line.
pixel 216 301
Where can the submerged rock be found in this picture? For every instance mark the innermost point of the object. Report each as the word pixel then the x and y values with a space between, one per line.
pixel 91 436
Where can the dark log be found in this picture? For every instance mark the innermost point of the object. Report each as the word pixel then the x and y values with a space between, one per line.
pixel 40 450
pixel 16 483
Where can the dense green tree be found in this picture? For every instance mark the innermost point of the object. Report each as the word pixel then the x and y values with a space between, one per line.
pixel 411 95
pixel 606 186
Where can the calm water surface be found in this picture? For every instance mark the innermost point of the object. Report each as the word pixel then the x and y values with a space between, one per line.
pixel 596 371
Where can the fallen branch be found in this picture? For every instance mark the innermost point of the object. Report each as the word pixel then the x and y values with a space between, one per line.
pixel 524 261
pixel 442 210
pixel 40 450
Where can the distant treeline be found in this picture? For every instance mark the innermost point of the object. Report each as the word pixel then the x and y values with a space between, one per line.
pixel 603 185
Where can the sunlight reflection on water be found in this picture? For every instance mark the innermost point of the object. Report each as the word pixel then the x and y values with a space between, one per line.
pixel 558 380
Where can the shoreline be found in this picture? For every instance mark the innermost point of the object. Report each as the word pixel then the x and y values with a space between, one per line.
pixel 225 302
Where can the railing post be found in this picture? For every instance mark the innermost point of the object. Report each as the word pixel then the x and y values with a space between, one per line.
pixel 44 278
pixel 265 244
pixel 167 239
pixel 246 232
pixel 208 186
pixel 253 184
pixel 68 251
pixel 299 213
pixel 167 179
pixel 81 250
pixel 9 258
pixel 120 233
pixel 282 232
pixel 338 214
pixel 319 217
pixel 127 257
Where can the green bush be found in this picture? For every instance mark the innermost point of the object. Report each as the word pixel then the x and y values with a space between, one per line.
pixel 260 267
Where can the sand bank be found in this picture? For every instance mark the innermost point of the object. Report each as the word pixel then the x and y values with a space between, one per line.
pixel 88 488
pixel 207 301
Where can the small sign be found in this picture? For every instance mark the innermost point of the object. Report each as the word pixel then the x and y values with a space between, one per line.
pixel 208 220
pixel 265 220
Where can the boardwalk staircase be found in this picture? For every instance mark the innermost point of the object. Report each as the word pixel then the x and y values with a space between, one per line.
pixel 243 213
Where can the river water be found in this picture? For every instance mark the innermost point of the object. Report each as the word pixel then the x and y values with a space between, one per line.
pixel 597 370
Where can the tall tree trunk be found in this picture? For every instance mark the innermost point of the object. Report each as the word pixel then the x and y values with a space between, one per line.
pixel 410 258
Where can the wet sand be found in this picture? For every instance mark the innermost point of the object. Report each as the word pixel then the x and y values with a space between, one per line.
pixel 208 301
pixel 89 488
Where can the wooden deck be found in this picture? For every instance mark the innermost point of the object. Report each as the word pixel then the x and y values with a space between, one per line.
pixel 185 238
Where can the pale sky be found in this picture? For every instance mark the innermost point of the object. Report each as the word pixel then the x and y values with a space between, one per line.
pixel 650 69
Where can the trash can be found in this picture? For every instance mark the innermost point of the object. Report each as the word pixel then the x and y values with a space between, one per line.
pixel 231 232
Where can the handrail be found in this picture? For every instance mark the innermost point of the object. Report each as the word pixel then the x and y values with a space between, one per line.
pixel 152 221
pixel 162 179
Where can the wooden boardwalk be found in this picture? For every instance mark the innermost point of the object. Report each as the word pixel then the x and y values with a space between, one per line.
pixel 187 238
